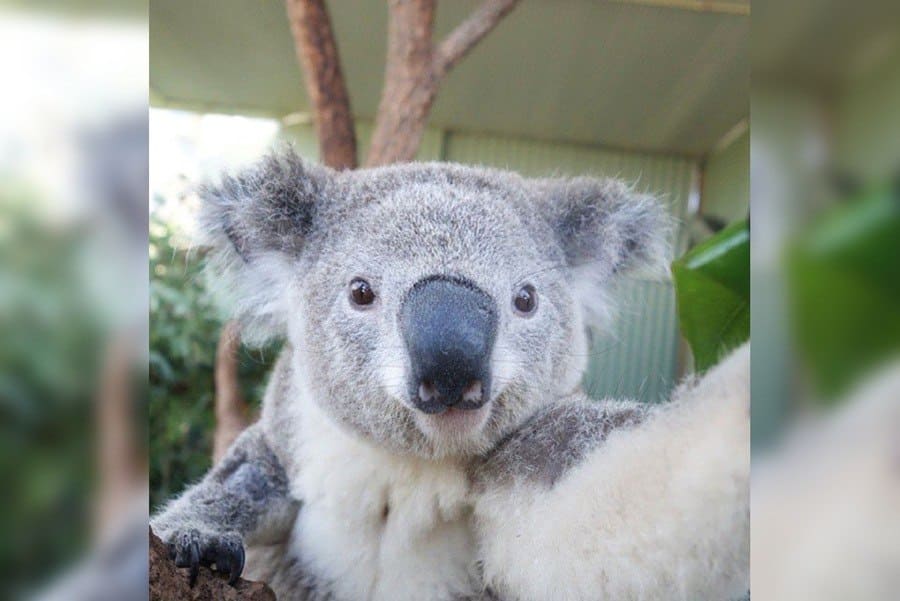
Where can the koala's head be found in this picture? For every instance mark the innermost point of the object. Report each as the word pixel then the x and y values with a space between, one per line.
pixel 432 307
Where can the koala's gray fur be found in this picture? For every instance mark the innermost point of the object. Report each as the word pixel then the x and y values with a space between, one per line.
pixel 344 490
pixel 553 440
pixel 245 485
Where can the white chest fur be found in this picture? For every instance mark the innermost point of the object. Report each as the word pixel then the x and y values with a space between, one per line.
pixel 375 525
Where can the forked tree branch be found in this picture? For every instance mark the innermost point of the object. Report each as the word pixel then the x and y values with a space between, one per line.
pixel 317 53
pixel 415 69
pixel 409 84
pixel 471 31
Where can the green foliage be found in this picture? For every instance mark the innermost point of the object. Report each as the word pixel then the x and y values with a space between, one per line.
pixel 844 288
pixel 712 288
pixel 48 362
pixel 184 331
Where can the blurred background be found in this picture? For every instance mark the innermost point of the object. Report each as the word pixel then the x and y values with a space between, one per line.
pixel 73 297
pixel 825 181
pixel 654 91
pixel 826 152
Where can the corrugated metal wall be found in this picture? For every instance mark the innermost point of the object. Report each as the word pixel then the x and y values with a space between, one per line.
pixel 639 357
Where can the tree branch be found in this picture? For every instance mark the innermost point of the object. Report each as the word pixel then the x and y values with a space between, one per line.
pixel 415 69
pixel 468 33
pixel 120 468
pixel 409 83
pixel 318 56
pixel 232 414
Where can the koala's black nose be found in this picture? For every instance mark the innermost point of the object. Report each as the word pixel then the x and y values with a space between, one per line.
pixel 449 326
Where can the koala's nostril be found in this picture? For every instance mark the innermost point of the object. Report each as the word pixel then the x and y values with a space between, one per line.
pixel 470 397
pixel 472 392
pixel 427 392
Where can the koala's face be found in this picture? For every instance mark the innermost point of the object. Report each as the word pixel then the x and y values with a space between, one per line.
pixel 433 307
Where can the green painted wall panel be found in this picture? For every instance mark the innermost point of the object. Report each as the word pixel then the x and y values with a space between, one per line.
pixel 726 181
pixel 638 358
pixel 867 123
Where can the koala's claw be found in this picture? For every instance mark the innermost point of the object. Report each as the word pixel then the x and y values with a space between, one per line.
pixel 229 558
pixel 191 549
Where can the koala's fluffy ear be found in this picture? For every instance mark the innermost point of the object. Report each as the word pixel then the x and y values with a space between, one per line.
pixel 605 228
pixel 255 224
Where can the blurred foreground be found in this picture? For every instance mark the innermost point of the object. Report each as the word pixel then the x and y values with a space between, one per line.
pixel 825 196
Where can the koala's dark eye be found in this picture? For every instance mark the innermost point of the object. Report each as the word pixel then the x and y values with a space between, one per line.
pixel 361 292
pixel 525 300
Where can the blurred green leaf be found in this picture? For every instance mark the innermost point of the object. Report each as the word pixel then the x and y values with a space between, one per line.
pixel 712 290
pixel 844 288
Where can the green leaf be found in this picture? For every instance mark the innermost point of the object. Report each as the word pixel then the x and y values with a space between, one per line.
pixel 844 291
pixel 712 290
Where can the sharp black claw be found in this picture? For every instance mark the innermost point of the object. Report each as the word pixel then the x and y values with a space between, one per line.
pixel 237 566
pixel 222 565
pixel 195 562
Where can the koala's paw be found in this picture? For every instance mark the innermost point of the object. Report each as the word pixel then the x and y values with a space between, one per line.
pixel 192 548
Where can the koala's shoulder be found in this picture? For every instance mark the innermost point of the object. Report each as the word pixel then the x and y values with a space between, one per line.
pixel 555 439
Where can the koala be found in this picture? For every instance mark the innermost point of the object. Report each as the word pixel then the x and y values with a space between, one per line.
pixel 423 434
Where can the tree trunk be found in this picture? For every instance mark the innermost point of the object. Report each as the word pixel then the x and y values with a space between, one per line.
pixel 318 55
pixel 121 466
pixel 410 84
pixel 232 413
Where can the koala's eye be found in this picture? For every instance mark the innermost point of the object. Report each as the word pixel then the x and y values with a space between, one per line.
pixel 525 300
pixel 361 292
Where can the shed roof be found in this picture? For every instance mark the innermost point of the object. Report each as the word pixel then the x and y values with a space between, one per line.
pixel 629 74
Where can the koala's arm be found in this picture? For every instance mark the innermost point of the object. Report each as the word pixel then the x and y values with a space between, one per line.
pixel 244 499
pixel 613 501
